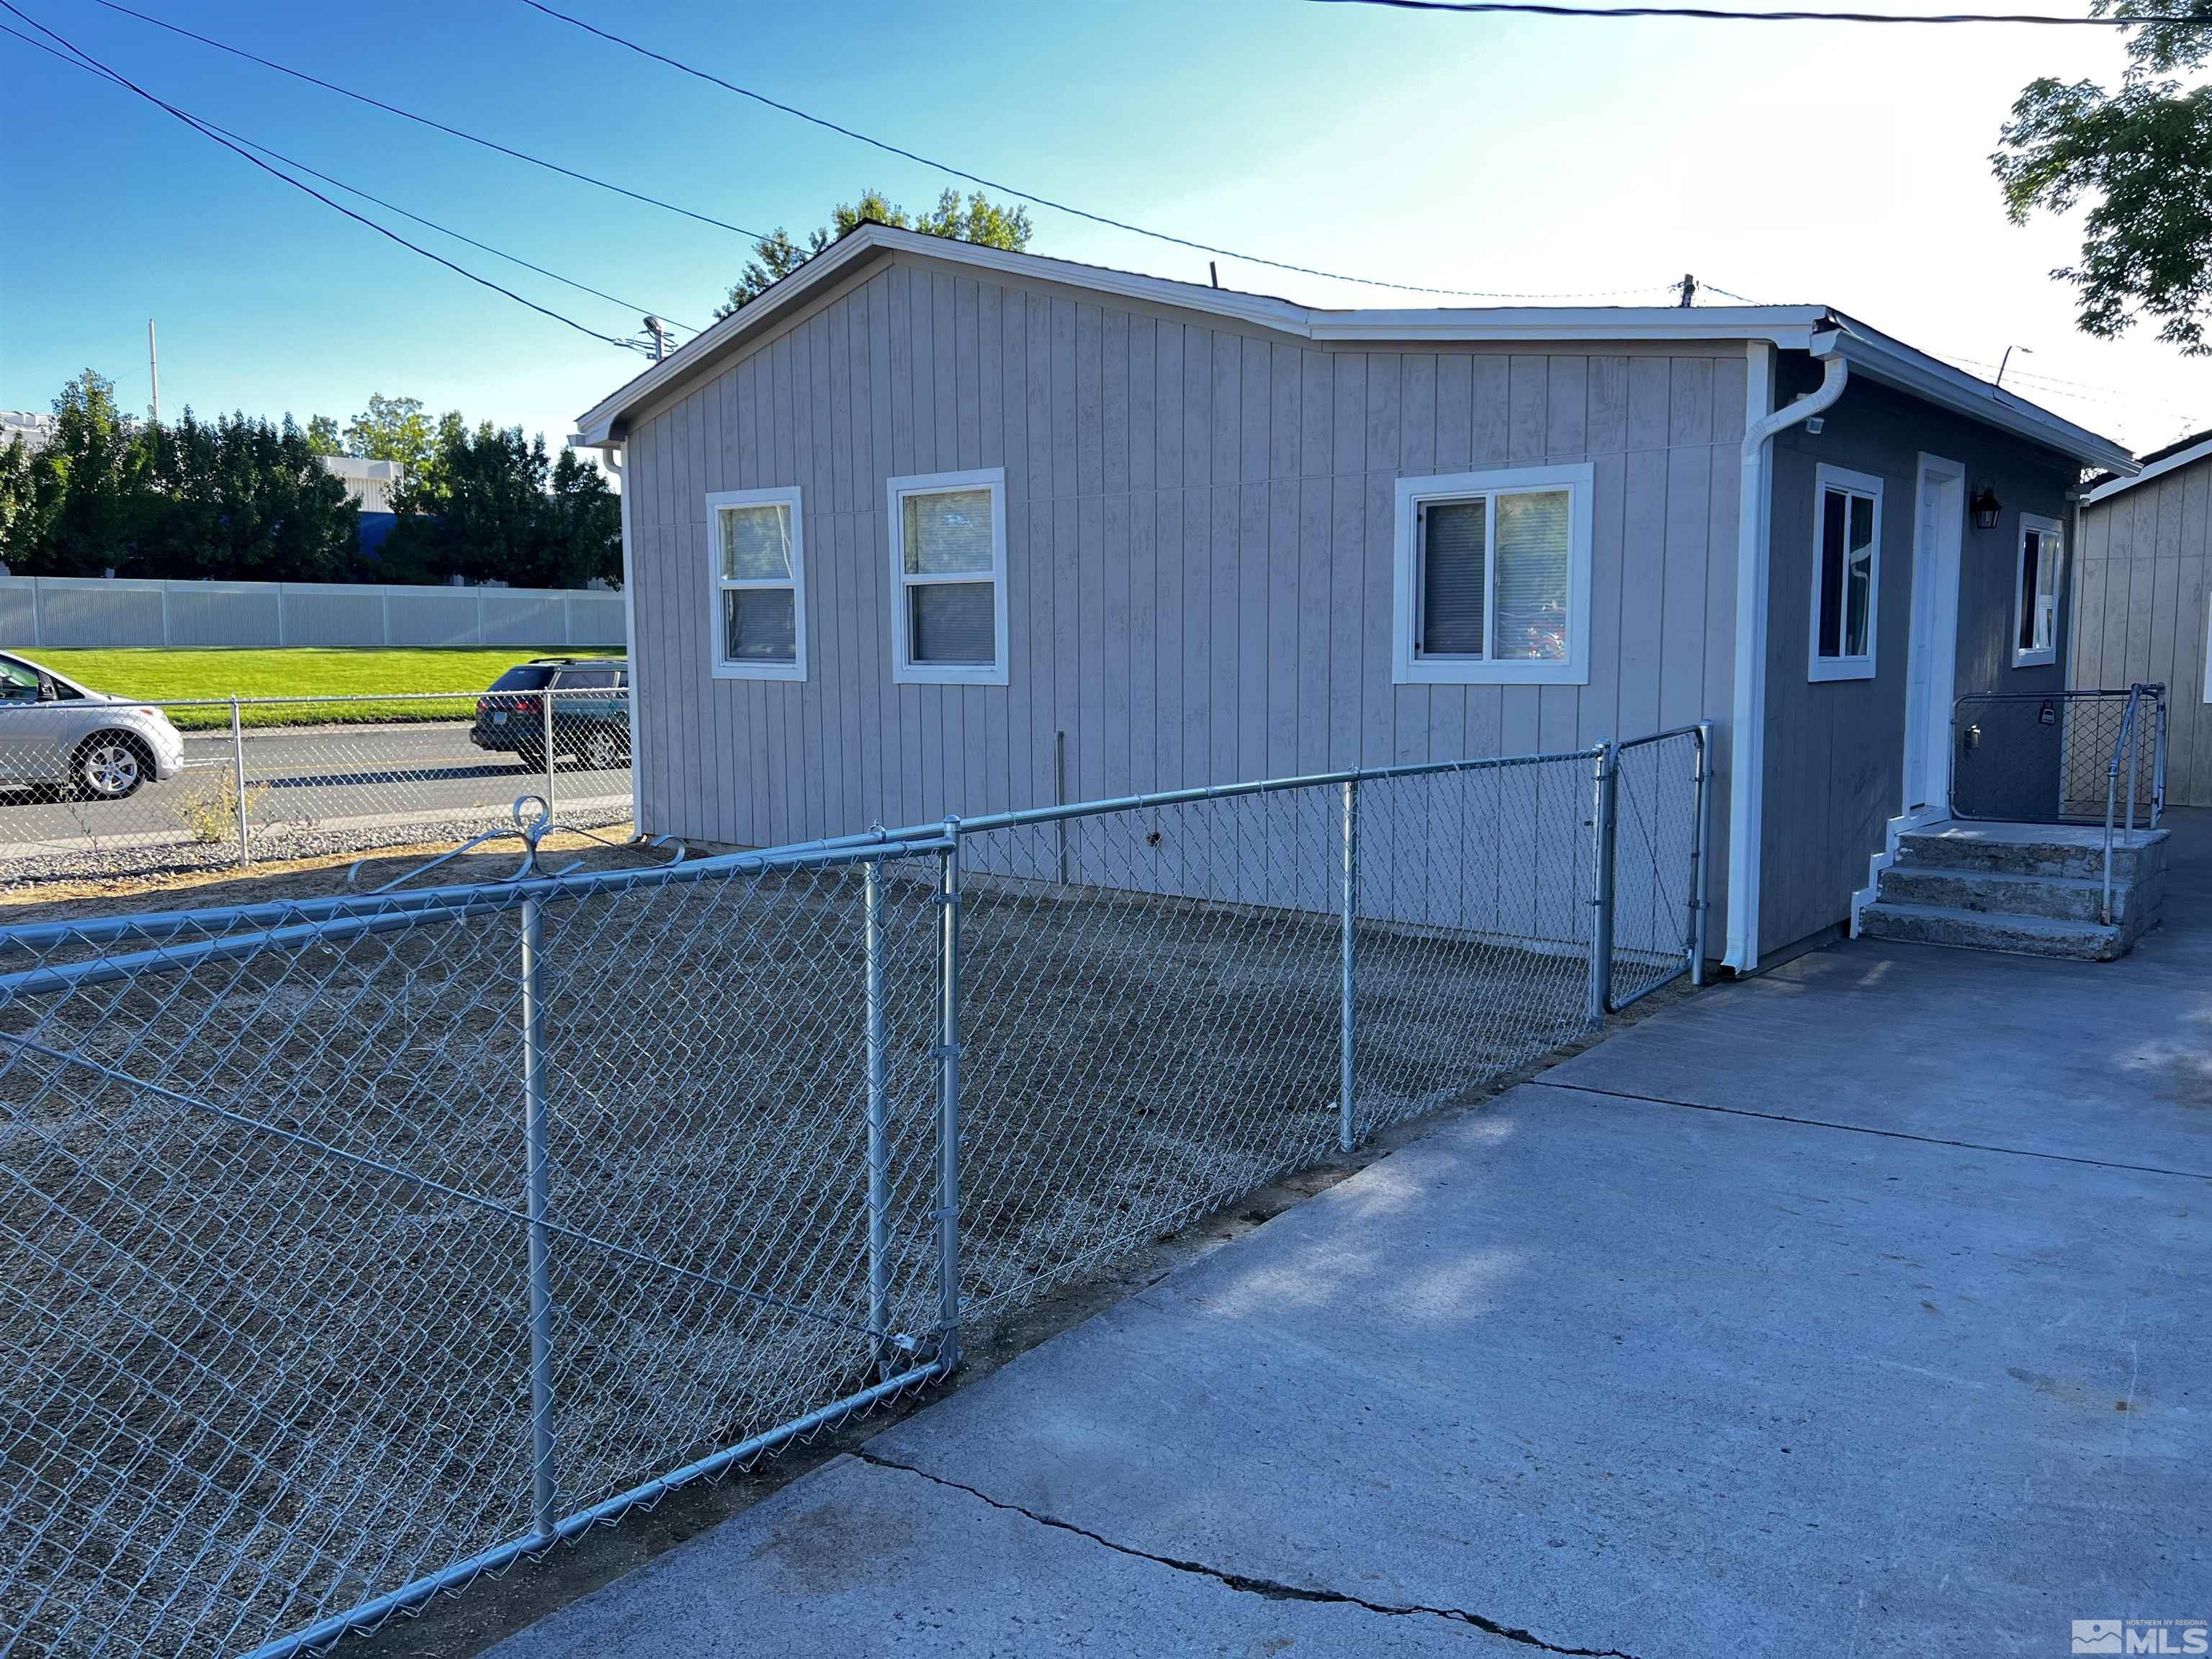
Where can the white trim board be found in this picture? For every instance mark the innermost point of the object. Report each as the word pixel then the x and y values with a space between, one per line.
pixel 2157 468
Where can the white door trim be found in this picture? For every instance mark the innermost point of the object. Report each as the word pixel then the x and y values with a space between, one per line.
pixel 1935 628
pixel 1935 576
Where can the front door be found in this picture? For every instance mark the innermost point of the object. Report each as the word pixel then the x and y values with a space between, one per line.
pixel 1932 669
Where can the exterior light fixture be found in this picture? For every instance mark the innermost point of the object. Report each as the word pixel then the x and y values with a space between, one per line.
pixel 1986 507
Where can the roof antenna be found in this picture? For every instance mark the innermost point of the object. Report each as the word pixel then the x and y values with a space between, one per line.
pixel 1213 270
pixel 1689 288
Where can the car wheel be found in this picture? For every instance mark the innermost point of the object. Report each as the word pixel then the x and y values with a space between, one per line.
pixel 110 766
pixel 606 749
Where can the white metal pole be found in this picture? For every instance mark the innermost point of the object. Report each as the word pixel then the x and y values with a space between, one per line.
pixel 154 369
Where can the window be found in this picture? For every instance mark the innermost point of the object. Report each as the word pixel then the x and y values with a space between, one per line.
pixel 19 682
pixel 2035 619
pixel 948 535
pixel 1846 572
pixel 1493 576
pixel 758 618
pixel 594 679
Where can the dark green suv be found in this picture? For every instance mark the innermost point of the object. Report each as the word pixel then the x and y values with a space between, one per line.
pixel 591 712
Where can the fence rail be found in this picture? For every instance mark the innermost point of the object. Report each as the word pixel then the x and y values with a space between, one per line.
pixel 352 1247
pixel 206 784
pixel 84 613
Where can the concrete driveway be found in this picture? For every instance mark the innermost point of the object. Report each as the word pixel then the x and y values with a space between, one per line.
pixel 1856 1309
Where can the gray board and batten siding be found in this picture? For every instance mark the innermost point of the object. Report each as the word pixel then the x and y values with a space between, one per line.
pixel 1834 764
pixel 1199 530
pixel 2140 583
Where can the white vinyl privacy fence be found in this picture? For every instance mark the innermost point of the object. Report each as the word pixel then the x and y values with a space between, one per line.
pixel 73 612
pixel 351 1249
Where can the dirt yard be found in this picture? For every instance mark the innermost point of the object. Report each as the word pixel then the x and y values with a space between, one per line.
pixel 266 1257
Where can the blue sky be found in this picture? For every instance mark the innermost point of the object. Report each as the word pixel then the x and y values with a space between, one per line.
pixel 1792 162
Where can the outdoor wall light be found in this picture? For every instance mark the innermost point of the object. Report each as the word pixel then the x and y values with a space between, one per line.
pixel 1985 507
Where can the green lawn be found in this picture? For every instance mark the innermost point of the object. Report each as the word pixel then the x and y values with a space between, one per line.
pixel 155 675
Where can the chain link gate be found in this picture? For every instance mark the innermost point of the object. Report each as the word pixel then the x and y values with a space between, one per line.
pixel 352 1247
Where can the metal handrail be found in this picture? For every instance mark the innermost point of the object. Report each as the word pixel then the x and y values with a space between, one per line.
pixel 2121 749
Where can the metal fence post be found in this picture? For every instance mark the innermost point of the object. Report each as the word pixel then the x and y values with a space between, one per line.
pixel 879 1123
pixel 1605 782
pixel 1701 851
pixel 948 1104
pixel 545 703
pixel 543 1488
pixel 1346 955
pixel 238 780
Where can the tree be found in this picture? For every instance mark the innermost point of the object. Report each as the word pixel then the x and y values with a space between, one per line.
pixel 977 219
pixel 323 435
pixel 392 430
pixel 88 481
pixel 2142 157
pixel 242 500
pixel 491 506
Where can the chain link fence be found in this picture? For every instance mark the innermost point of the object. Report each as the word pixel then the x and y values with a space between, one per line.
pixel 352 1247
pixel 95 789
pixel 2059 757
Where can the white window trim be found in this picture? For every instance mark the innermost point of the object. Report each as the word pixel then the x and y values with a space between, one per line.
pixel 2052 530
pixel 1408 667
pixel 788 495
pixel 905 672
pixel 1818 667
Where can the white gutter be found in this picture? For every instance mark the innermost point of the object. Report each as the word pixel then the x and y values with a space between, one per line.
pixel 1748 725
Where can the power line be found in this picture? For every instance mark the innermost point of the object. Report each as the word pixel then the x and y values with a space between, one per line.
pixel 335 207
pixel 1715 15
pixel 890 148
pixel 425 120
pixel 354 190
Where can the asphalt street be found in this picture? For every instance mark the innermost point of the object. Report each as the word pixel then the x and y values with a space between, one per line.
pixel 320 773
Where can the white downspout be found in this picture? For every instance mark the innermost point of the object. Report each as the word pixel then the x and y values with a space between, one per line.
pixel 1747 726
pixel 613 457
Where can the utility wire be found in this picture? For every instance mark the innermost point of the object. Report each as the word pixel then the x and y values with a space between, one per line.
pixel 355 190
pixel 425 120
pixel 1057 206
pixel 1716 15
pixel 335 207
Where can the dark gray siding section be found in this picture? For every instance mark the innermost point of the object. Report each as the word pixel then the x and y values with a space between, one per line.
pixel 1835 749
pixel 1200 551
pixel 2140 587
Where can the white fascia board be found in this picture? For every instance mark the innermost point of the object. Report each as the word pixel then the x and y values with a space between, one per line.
pixel 1874 356
pixel 2159 469
pixel 1787 326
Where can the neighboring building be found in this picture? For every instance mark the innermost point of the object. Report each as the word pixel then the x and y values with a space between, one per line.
pixel 2140 583
pixel 33 426
pixel 370 483
pixel 1210 535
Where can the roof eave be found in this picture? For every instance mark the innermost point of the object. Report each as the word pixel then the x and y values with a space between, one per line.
pixel 1893 363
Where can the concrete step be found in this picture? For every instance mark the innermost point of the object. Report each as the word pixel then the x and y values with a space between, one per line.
pixel 1990 892
pixel 2033 850
pixel 1977 930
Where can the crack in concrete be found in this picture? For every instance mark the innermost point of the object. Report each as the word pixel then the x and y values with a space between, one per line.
pixel 1273 1589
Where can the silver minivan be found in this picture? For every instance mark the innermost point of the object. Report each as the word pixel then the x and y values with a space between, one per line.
pixel 56 734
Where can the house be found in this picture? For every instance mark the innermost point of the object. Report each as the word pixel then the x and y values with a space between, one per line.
pixel 924 517
pixel 2140 594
